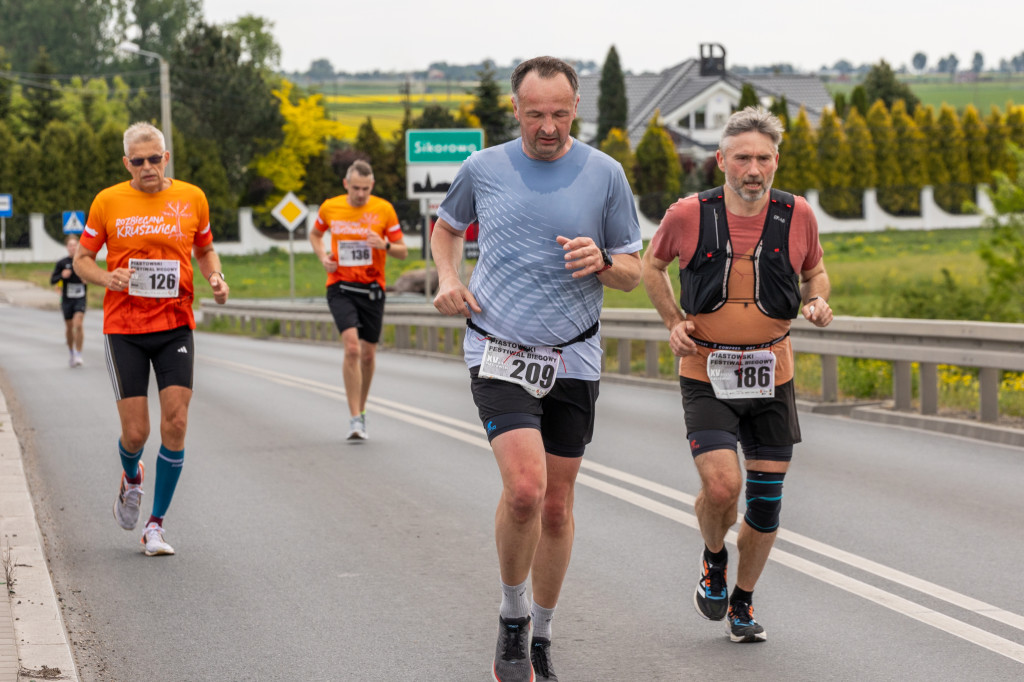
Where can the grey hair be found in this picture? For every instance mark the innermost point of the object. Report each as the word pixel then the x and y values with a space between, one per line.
pixel 142 132
pixel 753 120
pixel 546 67
pixel 360 168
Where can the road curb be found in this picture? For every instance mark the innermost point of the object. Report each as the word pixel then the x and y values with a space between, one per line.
pixel 33 639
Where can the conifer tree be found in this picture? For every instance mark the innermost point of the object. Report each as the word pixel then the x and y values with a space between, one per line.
pixel 863 174
pixel 996 139
pixel 658 171
pixel 748 97
pixel 616 145
pixel 890 177
pixel 976 141
pixel 780 107
pixel 859 100
pixel 798 158
pixel 834 166
pixel 612 106
pixel 1014 134
pixel 494 117
pixel 910 153
pixel 954 157
pixel 938 174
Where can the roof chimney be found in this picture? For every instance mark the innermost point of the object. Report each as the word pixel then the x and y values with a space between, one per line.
pixel 712 59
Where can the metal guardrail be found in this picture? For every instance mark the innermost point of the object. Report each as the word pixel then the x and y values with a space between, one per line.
pixel 991 347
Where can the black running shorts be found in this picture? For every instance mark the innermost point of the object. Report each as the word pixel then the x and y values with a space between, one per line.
pixel 764 421
pixel 70 306
pixel 129 357
pixel 564 417
pixel 356 309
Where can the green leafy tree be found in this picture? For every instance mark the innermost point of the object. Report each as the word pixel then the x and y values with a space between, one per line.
pixel 612 106
pixel 920 61
pixel 748 97
pixel 259 49
pixel 31 188
pixel 863 174
pixel 222 103
pixel 434 116
pixel 61 187
pixel 488 108
pixel 798 158
pixel 109 169
pixel 911 152
pixel 86 155
pixel 890 178
pixel 881 84
pixel 976 143
pixel 158 25
pixel 6 86
pixel 616 145
pixel 959 189
pixel 834 165
pixel 1003 252
pixel 43 96
pixel 6 160
pixel 79 35
pixel 658 172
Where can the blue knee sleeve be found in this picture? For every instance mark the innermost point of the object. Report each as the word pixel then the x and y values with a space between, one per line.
pixel 764 500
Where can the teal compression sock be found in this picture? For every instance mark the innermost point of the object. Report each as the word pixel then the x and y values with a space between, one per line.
pixel 168 469
pixel 129 462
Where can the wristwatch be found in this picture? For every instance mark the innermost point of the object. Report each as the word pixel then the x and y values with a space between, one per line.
pixel 608 262
pixel 217 272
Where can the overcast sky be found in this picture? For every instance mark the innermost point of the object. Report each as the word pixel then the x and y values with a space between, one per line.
pixel 649 35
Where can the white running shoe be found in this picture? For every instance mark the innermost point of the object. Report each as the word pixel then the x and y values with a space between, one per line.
pixel 77 361
pixel 153 541
pixel 356 429
pixel 126 506
pixel 71 359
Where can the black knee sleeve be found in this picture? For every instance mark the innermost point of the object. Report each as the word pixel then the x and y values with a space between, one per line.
pixel 764 500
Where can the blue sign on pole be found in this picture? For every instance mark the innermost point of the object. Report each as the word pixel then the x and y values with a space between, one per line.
pixel 6 206
pixel 74 222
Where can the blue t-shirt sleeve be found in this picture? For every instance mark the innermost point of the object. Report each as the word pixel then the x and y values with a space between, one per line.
pixel 622 228
pixel 458 208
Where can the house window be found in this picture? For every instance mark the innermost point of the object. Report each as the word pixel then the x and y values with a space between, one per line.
pixel 698 120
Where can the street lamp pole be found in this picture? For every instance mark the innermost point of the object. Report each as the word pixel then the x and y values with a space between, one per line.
pixel 165 100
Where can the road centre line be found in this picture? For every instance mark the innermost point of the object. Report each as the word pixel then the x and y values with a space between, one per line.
pixel 463 431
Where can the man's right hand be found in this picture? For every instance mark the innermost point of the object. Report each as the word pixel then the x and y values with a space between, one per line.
pixel 453 296
pixel 329 262
pixel 679 339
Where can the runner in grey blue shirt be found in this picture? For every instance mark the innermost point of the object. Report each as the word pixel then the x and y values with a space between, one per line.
pixel 557 225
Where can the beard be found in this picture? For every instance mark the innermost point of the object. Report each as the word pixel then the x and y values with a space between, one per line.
pixel 738 185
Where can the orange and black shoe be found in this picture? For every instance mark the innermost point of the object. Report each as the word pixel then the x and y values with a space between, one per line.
pixel 711 598
pixel 742 626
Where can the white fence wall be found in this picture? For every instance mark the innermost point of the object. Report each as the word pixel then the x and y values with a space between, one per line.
pixel 45 248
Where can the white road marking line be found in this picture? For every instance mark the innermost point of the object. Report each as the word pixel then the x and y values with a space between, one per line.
pixel 443 425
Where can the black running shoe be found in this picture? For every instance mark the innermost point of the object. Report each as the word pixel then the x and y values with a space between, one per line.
pixel 511 659
pixel 742 626
pixel 540 656
pixel 711 598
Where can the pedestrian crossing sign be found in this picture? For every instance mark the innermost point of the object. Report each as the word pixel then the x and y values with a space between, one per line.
pixel 74 222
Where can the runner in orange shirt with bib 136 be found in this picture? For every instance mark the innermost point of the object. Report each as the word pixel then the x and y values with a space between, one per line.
pixel 364 231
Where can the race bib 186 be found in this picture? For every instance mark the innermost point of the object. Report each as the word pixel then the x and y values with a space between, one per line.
pixel 353 252
pixel 532 367
pixel 154 278
pixel 742 374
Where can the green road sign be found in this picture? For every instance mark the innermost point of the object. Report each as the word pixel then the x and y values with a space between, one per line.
pixel 445 145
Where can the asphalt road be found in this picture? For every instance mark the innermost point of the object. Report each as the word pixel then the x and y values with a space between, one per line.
pixel 301 557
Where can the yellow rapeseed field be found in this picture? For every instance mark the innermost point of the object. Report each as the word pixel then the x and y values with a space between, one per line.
pixel 387 110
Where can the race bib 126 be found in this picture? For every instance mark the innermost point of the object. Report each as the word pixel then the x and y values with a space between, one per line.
pixel 154 278
pixel 742 374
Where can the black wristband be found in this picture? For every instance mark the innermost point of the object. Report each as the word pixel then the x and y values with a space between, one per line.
pixel 387 246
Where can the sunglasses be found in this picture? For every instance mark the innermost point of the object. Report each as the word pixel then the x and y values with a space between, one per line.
pixel 153 160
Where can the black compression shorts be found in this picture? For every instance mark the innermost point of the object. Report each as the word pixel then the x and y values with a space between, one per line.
pixel 564 417
pixel 758 421
pixel 129 357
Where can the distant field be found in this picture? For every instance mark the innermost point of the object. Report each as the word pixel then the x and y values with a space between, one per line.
pixel 938 91
pixel 351 102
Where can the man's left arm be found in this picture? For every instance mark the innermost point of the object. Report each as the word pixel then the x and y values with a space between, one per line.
pixel 815 289
pixel 209 265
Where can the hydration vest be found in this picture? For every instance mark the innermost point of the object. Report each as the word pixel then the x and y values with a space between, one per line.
pixel 704 282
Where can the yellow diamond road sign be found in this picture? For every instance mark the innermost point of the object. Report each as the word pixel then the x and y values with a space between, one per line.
pixel 290 211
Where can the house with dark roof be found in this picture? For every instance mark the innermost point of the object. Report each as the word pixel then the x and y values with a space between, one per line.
pixel 695 98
